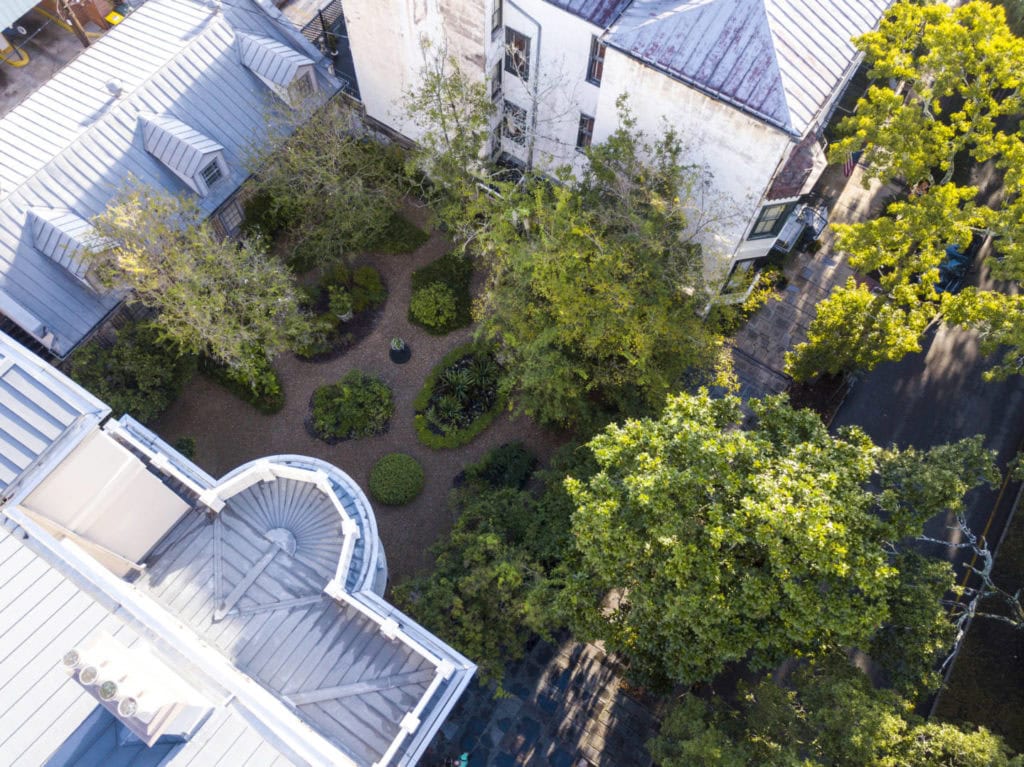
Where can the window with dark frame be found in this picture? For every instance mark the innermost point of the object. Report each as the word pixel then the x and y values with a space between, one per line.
pixel 771 220
pixel 496 14
pixel 231 217
pixel 211 173
pixel 595 67
pixel 496 82
pixel 300 88
pixel 517 54
pixel 586 132
pixel 513 123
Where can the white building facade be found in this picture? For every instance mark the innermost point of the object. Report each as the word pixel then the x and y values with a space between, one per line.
pixel 747 84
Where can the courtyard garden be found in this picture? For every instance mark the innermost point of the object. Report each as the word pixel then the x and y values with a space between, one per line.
pixel 229 431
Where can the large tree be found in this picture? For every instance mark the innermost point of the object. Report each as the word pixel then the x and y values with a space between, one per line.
pixel 699 543
pixel 230 301
pixel 333 184
pixel 946 97
pixel 595 284
pixel 829 715
pixel 454 114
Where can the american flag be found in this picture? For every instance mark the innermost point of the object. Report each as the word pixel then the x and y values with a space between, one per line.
pixel 851 163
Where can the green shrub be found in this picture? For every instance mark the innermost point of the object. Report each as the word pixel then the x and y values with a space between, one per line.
pixel 261 218
pixel 322 337
pixel 140 374
pixel 264 392
pixel 433 307
pixel 186 446
pixel 396 479
pixel 399 236
pixel 359 405
pixel 455 272
pixel 364 286
pixel 367 289
pixel 460 397
pixel 510 465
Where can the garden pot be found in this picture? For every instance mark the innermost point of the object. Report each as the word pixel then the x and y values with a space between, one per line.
pixel 400 356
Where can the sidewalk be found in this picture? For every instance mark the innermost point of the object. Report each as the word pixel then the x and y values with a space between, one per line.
pixel 566 706
pixel 759 349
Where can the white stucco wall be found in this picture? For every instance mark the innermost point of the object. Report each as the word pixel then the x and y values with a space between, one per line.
pixel 385 38
pixel 560 53
pixel 741 152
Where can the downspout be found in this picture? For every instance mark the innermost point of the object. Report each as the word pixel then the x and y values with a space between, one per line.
pixel 533 109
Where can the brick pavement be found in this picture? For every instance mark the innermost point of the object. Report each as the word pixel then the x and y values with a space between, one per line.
pixel 565 707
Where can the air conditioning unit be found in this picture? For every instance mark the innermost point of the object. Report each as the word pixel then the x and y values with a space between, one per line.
pixel 136 687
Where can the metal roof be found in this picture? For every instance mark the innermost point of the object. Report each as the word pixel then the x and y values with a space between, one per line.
pixel 76 140
pixel 599 12
pixel 270 60
pixel 38 406
pixel 779 60
pixel 184 150
pixel 62 236
pixel 43 614
pixel 267 581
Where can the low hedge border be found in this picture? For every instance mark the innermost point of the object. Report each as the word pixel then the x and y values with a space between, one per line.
pixel 459 437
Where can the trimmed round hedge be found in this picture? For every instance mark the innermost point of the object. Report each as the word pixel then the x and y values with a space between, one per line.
pixel 396 479
pixel 359 405
pixel 434 306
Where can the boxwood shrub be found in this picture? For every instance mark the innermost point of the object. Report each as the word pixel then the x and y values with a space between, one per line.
pixel 359 405
pixel 455 272
pixel 396 479
pixel 460 397
pixel 399 236
pixel 433 306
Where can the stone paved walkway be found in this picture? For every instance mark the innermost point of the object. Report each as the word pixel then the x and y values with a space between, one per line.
pixel 566 707
pixel 759 349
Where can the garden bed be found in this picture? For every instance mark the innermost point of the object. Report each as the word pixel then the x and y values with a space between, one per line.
pixel 360 292
pixel 359 405
pixel 460 397
pixel 454 273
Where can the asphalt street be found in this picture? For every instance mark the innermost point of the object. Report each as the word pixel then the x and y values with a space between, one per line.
pixel 938 396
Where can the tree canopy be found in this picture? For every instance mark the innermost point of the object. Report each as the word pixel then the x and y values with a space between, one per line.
pixel 946 98
pixel 230 301
pixel 698 543
pixel 329 181
pixel 595 285
pixel 829 715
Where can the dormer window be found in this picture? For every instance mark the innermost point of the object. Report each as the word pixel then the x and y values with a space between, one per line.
pixel 64 237
pixel 284 70
pixel 196 159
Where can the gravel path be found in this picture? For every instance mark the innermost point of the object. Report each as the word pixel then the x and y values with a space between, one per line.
pixel 229 432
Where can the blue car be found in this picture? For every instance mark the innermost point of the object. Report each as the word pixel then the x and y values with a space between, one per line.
pixel 955 266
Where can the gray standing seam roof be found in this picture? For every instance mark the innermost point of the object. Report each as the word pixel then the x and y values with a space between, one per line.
pixel 43 614
pixel 271 60
pixel 37 407
pixel 74 143
pixel 265 609
pixel 779 60
pixel 598 12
